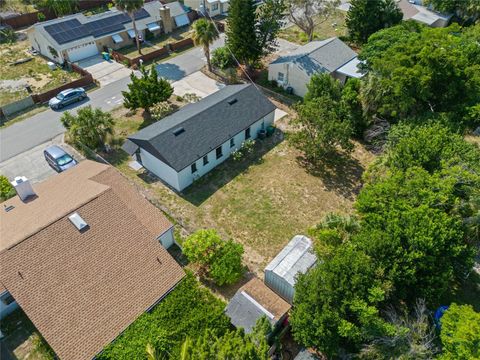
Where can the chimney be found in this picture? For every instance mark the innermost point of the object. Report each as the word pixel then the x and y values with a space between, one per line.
pixel 23 187
pixel 167 20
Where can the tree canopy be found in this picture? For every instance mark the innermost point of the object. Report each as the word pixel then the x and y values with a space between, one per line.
pixel 221 260
pixel 416 71
pixel 460 333
pixel 89 127
pixel 366 17
pixel 204 34
pixel 147 90
pixel 7 190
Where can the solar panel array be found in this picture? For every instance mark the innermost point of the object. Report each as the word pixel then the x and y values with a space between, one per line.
pixel 70 30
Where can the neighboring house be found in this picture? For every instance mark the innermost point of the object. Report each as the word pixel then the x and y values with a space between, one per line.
pixel 189 143
pixel 210 7
pixel 76 37
pixel 294 259
pixel 83 257
pixel 414 10
pixel 331 56
pixel 254 300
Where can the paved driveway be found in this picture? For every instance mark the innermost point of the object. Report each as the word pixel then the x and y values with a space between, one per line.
pixel 105 72
pixel 32 164
pixel 197 83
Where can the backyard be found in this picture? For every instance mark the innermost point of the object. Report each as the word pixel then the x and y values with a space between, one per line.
pixel 333 26
pixel 158 42
pixel 35 73
pixel 261 201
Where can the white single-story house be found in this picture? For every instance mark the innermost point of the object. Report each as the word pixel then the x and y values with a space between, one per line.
pixel 254 300
pixel 192 141
pixel 415 10
pixel 294 259
pixel 210 7
pixel 331 56
pixel 76 37
pixel 81 254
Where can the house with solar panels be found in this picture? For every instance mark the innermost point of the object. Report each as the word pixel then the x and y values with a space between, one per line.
pixel 77 37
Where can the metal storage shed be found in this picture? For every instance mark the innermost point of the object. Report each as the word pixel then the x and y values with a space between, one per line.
pixel 297 257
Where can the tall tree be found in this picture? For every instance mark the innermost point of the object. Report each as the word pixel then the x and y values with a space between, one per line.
pixel 270 20
pixel 460 333
pixel 89 127
pixel 320 130
pixel 306 14
pixel 466 10
pixel 204 34
pixel 147 90
pixel 241 34
pixel 366 17
pixel 130 7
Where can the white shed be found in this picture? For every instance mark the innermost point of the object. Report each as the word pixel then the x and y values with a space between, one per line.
pixel 295 258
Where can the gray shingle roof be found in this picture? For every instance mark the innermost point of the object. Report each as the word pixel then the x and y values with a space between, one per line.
pixel 207 124
pixel 320 56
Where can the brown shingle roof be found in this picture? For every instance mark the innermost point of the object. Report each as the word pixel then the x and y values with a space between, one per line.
pixel 81 290
pixel 266 297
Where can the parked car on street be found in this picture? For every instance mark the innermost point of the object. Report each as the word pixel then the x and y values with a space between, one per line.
pixel 58 158
pixel 66 97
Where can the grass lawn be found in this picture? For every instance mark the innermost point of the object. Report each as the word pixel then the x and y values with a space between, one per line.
pixel 35 72
pixel 157 43
pixel 261 201
pixel 323 30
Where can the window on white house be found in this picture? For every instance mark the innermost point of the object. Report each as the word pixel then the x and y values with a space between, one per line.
pixel 205 160
pixel 247 134
pixel 218 152
pixel 280 77
pixel 214 7
pixel 194 168
pixel 232 142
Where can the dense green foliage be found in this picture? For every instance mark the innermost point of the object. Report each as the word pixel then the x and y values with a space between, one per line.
pixel 270 18
pixel 241 35
pixel 218 259
pixel 58 7
pixel 417 71
pixel 466 10
pixel 89 127
pixel 366 17
pixel 147 90
pixel 321 131
pixel 7 190
pixel 204 34
pixel 186 312
pixel 222 58
pixel 460 333
pixel 414 239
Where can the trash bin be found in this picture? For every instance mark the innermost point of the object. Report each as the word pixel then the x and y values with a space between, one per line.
pixel 262 134
pixel 270 130
pixel 106 56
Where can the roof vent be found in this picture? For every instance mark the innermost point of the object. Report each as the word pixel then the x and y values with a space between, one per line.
pixel 23 187
pixel 77 220
pixel 232 101
pixel 178 131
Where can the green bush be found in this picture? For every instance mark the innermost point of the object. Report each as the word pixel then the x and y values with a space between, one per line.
pixel 218 259
pixel 222 59
pixel 7 36
pixel 186 312
pixel 246 149
pixel 161 109
pixel 7 191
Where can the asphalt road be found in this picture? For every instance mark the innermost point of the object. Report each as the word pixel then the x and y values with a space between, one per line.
pixel 45 126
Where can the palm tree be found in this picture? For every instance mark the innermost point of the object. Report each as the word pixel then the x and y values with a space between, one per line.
pixel 130 7
pixel 205 33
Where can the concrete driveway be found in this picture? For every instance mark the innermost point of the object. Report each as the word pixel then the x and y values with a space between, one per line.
pixel 105 72
pixel 197 83
pixel 32 164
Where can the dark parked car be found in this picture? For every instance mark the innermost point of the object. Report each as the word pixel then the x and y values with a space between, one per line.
pixel 58 158
pixel 66 97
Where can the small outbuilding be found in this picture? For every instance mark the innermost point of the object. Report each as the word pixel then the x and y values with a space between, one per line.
pixel 254 300
pixel 295 258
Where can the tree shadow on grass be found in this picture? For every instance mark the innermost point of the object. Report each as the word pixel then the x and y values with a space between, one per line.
pixel 341 174
pixel 213 181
